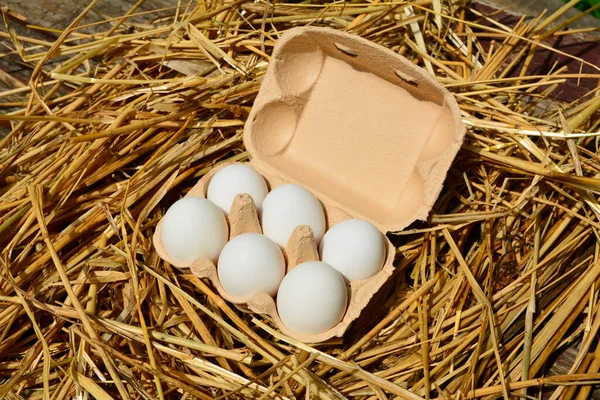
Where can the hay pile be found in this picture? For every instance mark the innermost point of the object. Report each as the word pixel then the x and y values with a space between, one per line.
pixel 503 276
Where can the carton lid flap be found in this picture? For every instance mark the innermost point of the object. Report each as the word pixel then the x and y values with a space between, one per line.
pixel 362 127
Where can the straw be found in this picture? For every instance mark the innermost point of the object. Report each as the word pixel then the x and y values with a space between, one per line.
pixel 114 126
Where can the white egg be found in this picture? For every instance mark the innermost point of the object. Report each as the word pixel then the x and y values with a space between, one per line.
pixel 288 206
pixel 312 298
pixel 232 180
pixel 251 263
pixel 194 228
pixel 354 247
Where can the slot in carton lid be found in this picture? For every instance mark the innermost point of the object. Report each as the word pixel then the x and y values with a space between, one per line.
pixel 363 128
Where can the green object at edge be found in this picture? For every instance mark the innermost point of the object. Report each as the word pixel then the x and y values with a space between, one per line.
pixel 585 5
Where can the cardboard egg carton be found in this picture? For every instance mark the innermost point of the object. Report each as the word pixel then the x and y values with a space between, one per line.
pixel 301 247
pixel 370 134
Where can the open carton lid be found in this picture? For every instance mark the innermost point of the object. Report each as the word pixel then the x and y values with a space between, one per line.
pixel 363 128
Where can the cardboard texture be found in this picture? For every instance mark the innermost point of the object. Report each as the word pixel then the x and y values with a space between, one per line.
pixel 365 130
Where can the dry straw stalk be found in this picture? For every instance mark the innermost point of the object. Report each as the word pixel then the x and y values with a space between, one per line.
pixel 122 116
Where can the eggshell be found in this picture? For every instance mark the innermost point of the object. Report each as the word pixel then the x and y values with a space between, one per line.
pixel 251 263
pixel 354 247
pixel 287 207
pixel 194 228
pixel 312 298
pixel 235 179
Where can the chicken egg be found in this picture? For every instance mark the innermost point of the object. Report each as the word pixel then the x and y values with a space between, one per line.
pixel 232 180
pixel 288 206
pixel 312 298
pixel 354 247
pixel 251 263
pixel 194 228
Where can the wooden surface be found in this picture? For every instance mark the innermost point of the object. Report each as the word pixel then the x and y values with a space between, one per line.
pixel 536 7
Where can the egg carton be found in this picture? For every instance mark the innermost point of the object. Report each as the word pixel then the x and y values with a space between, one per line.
pixel 370 134
pixel 301 247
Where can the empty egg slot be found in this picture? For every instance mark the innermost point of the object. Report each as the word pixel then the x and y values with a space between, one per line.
pixel 298 69
pixel 275 125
